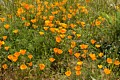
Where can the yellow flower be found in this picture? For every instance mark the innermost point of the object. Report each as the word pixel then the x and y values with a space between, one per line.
pixel 45 28
pixel 41 66
pixel 15 31
pixel 100 66
pixel 109 60
pixel 4 66
pixel 78 35
pixel 79 63
pixel 97 46
pixel 107 71
pixel 52 59
pixel 100 54
pixel 41 33
pixel 23 66
pixel 68 73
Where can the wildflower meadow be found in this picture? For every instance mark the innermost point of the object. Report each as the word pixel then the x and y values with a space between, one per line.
pixel 59 39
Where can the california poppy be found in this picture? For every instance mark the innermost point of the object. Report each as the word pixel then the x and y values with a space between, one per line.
pixel 68 73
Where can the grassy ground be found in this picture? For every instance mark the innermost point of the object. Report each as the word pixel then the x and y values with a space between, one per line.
pixel 59 40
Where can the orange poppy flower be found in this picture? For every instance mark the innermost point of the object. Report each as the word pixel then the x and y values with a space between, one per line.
pixel 2 19
pixel 69 16
pixel 60 51
pixel 78 73
pixel 23 66
pixel 72 25
pixel 73 44
pixel 58 39
pixel 1 43
pixel 52 59
pixel 14 59
pixel 17 54
pixel 97 22
pixel 83 24
pixel 51 18
pixel 4 37
pixel 4 66
pixel 63 31
pixel 23 18
pixel 41 66
pixel 69 37
pixel 10 57
pixel 77 68
pixel 55 50
pixel 107 71
pixel 92 56
pixel 70 51
pixel 52 29
pixel 93 41
pixel 30 63
pixel 116 62
pixel 30 56
pixel 83 55
pixel 7 48
pixel 85 51
pixel 77 55
pixel 68 73
pixel 109 60
pixel 26 24
pixel 83 46
pixel 7 26
pixel 33 20
pixel 23 52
